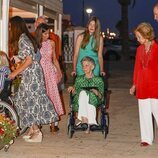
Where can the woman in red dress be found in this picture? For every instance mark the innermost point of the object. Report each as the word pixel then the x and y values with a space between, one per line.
pixel 145 81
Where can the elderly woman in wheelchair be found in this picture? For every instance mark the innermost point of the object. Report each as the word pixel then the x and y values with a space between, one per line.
pixel 88 94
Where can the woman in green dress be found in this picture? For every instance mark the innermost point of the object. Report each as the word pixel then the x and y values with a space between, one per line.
pixel 89 43
pixel 88 92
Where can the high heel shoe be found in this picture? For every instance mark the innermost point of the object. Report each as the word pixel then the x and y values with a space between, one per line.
pixel 36 137
pixel 29 134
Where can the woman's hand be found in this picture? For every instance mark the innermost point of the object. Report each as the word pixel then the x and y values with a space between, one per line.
pixel 132 90
pixel 12 75
pixel 102 73
pixel 96 92
pixel 73 73
pixel 71 89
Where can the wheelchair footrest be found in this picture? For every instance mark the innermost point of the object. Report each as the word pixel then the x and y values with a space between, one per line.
pixel 95 127
pixel 81 127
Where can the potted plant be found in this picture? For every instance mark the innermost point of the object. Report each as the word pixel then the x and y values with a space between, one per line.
pixel 8 131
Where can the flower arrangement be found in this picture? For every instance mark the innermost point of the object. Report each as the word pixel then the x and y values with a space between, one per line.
pixel 8 131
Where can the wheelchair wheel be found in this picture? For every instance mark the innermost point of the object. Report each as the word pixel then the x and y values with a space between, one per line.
pixel 70 130
pixel 106 127
pixel 105 124
pixel 6 147
pixel 9 112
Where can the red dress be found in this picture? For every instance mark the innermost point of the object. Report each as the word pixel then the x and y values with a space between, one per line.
pixel 50 75
pixel 146 72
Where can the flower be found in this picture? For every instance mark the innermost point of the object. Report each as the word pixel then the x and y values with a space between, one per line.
pixel 8 130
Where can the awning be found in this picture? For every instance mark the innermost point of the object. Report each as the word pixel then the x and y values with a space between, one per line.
pixel 51 7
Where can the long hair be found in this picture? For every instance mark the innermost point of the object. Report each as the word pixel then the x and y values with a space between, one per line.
pixel 18 27
pixel 41 28
pixel 96 35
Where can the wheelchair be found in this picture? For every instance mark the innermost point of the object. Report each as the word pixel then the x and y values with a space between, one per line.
pixel 7 108
pixel 103 120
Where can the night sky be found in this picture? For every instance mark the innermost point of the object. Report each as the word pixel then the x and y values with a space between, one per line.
pixel 109 12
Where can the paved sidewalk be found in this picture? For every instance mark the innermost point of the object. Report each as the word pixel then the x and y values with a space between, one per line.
pixel 122 141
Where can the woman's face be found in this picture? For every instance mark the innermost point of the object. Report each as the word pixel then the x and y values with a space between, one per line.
pixel 140 38
pixel 91 27
pixel 45 35
pixel 87 67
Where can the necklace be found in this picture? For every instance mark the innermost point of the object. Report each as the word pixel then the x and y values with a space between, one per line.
pixel 146 56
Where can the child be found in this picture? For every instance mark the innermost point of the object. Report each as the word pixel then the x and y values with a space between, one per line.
pixel 4 69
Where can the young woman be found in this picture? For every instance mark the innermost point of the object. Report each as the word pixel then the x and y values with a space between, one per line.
pixel 33 105
pixel 89 43
pixel 145 81
pixel 51 68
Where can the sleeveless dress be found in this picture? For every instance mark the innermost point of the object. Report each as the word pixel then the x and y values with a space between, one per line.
pixel 50 75
pixel 31 100
pixel 88 51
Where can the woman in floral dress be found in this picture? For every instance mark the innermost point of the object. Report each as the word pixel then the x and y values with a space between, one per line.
pixel 51 68
pixel 33 105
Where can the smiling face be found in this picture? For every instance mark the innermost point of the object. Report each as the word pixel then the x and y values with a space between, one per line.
pixel 45 35
pixel 91 27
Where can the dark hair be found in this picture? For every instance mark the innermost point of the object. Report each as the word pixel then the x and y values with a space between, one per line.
pixel 41 28
pixel 18 27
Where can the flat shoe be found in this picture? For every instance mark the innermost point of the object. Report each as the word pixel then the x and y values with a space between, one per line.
pixel 84 126
pixel 144 144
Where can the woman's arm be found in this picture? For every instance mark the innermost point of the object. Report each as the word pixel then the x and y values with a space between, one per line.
pixel 27 62
pixel 100 56
pixel 76 52
pixel 55 61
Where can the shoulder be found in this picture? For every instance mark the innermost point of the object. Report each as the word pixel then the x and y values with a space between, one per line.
pixel 51 42
pixel 24 40
pixel 155 44
pixel 101 37
pixel 140 47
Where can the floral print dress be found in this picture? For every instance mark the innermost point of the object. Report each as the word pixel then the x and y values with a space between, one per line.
pixel 50 75
pixel 31 100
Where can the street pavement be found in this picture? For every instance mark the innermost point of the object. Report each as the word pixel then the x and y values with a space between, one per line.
pixel 123 140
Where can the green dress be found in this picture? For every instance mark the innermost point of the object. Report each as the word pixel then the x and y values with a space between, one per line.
pixel 88 51
pixel 81 82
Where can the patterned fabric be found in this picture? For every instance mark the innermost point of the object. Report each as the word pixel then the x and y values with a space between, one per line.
pixel 88 51
pixel 32 103
pixel 81 82
pixel 50 75
pixel 4 70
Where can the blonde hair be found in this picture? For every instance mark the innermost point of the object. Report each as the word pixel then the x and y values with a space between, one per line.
pixel 146 30
pixel 3 59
